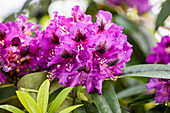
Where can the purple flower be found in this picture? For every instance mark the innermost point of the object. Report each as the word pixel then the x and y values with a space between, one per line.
pixel 160 55
pixel 85 53
pixel 2 78
pixel 141 5
pixel 162 87
pixel 18 50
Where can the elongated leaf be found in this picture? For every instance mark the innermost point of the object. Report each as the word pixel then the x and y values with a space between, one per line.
pixel 157 109
pixel 59 99
pixel 32 80
pixel 11 108
pixel 142 99
pixel 152 74
pixel 111 97
pixel 90 107
pixel 145 68
pixel 132 91
pixel 54 94
pixel 43 96
pixel 80 109
pixel 29 103
pixel 69 109
pixel 164 13
pixel 167 110
pixel 101 103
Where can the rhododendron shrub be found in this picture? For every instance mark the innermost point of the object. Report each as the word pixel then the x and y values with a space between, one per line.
pixel 88 52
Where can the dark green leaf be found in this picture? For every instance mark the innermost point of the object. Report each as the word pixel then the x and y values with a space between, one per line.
pixel 101 103
pixel 152 74
pixel 157 109
pixel 167 110
pixel 142 99
pixel 7 93
pixel 132 91
pixel 106 102
pixel 145 68
pixel 89 107
pixel 164 13
pixel 32 80
pixel 111 97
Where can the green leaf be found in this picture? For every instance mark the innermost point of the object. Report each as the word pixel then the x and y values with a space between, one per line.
pixel 59 99
pixel 145 68
pixel 43 96
pixel 142 100
pixel 29 103
pixel 69 109
pixel 90 107
pixel 101 103
pixel 32 80
pixel 157 109
pixel 108 101
pixel 164 13
pixel 132 91
pixel 53 95
pixel 111 97
pixel 11 108
pixel 167 110
pixel 152 74
pixel 7 96
pixel 45 21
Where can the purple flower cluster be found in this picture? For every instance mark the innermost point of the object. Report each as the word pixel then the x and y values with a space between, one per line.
pixel 18 50
pixel 80 52
pixel 141 5
pixel 162 87
pixel 160 55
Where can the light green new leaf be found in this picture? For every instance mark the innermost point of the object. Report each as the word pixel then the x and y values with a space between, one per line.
pixel 69 109
pixel 59 99
pixel 43 96
pixel 11 109
pixel 28 102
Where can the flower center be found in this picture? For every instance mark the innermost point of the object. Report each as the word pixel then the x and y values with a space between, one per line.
pixel 55 39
